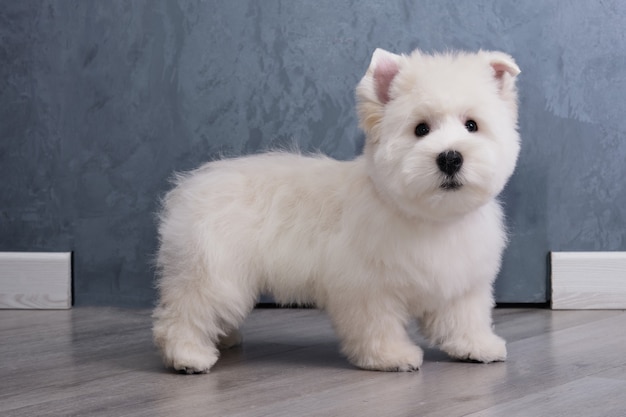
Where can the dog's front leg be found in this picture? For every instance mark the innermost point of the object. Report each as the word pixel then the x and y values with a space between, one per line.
pixel 463 328
pixel 373 334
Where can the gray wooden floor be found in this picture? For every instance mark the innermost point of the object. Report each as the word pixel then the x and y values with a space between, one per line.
pixel 101 362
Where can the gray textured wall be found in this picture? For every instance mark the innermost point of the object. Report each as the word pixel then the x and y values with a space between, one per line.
pixel 101 100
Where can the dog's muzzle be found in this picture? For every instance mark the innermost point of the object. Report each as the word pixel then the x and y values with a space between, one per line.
pixel 450 163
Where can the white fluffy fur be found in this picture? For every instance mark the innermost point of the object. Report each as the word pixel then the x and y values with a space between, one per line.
pixel 375 241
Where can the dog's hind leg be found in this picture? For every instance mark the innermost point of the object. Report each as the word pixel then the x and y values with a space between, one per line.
pixel 231 339
pixel 196 315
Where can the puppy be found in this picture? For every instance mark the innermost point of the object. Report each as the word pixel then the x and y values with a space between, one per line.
pixel 411 229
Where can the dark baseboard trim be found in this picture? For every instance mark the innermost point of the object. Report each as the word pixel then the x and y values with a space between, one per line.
pixel 523 305
pixel 498 305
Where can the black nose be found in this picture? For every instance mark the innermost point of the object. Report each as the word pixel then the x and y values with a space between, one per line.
pixel 449 162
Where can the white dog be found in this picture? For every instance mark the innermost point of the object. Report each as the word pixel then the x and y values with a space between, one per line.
pixel 410 229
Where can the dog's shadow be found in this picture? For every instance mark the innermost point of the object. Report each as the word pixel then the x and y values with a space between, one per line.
pixel 259 356
pixel 302 351
pixel 320 355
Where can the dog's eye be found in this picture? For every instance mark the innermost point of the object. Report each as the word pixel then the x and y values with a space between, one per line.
pixel 422 130
pixel 471 126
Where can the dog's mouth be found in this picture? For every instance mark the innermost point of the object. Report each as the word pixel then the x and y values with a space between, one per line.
pixel 451 184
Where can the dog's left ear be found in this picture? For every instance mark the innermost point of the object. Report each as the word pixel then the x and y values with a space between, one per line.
pixel 503 63
pixel 505 71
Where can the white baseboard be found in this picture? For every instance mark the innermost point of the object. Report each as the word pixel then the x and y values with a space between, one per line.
pixel 588 280
pixel 37 280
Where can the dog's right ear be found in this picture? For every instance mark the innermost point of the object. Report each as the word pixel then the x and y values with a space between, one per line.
pixel 384 67
pixel 373 92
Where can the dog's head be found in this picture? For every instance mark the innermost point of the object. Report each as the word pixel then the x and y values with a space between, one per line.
pixel 441 129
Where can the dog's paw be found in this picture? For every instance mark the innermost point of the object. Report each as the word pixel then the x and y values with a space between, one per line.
pixel 190 358
pixel 487 349
pixel 401 359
